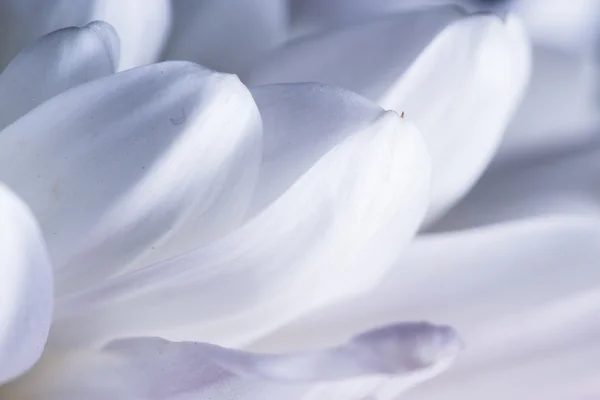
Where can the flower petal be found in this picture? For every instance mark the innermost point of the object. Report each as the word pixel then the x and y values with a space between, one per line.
pixel 572 25
pixel 25 288
pixel 401 354
pixel 559 111
pixel 359 202
pixel 142 30
pixel 226 35
pixel 301 123
pixel 458 77
pixel 145 164
pixel 561 183
pixel 549 352
pixel 143 27
pixel 57 62
pixel 524 295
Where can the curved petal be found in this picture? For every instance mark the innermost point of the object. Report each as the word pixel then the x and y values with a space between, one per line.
pixel 398 355
pixel 333 233
pixel 468 279
pixel 458 77
pixel 226 35
pixel 301 123
pixel 560 109
pixel 25 288
pixel 561 183
pixel 547 353
pixel 58 61
pixel 142 29
pixel 146 164
pixel 525 297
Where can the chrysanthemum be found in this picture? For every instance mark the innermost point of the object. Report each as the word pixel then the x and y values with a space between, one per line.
pixel 169 232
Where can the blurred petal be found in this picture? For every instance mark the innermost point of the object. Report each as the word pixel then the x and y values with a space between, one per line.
pixel 142 25
pixel 547 353
pixel 141 368
pixel 458 77
pixel 560 110
pixel 25 288
pixel 561 183
pixel 333 233
pixel 525 297
pixel 573 25
pixel 308 16
pixel 145 164
pixel 226 35
pixel 57 62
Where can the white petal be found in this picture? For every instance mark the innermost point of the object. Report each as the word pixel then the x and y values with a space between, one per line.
pixel 524 297
pixel 560 109
pixel 25 288
pixel 406 353
pixel 145 164
pixel 458 77
pixel 226 35
pixel 468 279
pixel 573 25
pixel 301 123
pixel 58 61
pixel 550 352
pixel 333 233
pixel 141 25
pixel 560 183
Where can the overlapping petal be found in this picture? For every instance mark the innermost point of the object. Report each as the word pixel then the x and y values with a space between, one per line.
pixel 524 296
pixel 400 355
pixel 332 233
pixel 58 61
pixel 135 167
pixel 25 288
pixel 458 76
pixel 141 25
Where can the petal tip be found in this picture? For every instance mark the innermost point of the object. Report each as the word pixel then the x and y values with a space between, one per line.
pixel 109 37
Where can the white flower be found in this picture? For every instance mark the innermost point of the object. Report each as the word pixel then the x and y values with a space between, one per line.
pixel 177 208
pixel 129 170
